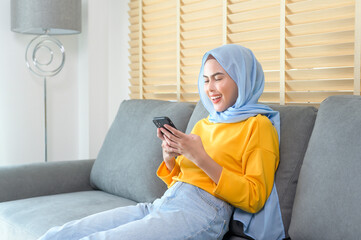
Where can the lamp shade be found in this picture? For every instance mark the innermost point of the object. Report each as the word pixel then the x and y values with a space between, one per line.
pixel 38 16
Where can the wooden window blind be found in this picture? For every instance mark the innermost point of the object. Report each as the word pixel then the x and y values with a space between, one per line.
pixel 309 49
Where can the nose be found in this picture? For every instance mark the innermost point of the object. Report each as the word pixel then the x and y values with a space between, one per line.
pixel 211 86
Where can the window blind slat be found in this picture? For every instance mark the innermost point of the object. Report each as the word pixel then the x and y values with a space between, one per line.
pixel 133 4
pixel 271 76
pixel 318 62
pixel 203 33
pixel 272 22
pixel 316 5
pixel 321 15
pixel 192 52
pixel 162 31
pixel 163 14
pixel 199 15
pixel 323 38
pixel 158 80
pixel 158 7
pixel 270 64
pixel 134 43
pixel 321 50
pixel 312 97
pixel 254 15
pixel 158 56
pixel 159 40
pixel 202 5
pixel 159 23
pixel 272 86
pixel 324 73
pixel 322 27
pixel 134 66
pixel 204 42
pixel 165 47
pixel 160 89
pixel 160 64
pixel 260 45
pixel 320 85
pixel 255 35
pixel 133 12
pixel 252 5
pixel 270 97
pixel 200 24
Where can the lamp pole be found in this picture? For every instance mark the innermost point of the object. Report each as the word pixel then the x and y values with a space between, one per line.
pixel 33 57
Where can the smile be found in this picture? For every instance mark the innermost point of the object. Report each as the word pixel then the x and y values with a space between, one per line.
pixel 216 99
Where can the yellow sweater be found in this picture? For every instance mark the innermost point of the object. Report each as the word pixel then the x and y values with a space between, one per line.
pixel 248 151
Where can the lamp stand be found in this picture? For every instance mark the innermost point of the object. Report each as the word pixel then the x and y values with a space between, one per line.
pixel 45 124
pixel 50 49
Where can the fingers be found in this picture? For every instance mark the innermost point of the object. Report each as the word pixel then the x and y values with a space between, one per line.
pixel 175 132
pixel 169 142
pixel 159 134
pixel 170 146
pixel 169 135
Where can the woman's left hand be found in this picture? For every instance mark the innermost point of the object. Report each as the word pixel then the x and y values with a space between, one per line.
pixel 188 145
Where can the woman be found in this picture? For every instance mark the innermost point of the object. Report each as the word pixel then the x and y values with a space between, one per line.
pixel 228 161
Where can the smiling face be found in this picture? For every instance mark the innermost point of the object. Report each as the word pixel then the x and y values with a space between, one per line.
pixel 219 86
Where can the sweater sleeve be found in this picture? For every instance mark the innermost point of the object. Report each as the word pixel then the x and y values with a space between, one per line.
pixel 166 175
pixel 250 191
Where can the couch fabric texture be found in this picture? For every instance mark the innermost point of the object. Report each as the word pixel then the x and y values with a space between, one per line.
pixel 132 148
pixel 317 179
pixel 327 202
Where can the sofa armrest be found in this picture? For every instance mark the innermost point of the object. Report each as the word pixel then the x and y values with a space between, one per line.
pixel 39 179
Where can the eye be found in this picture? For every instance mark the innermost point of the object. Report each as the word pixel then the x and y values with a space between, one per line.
pixel 206 80
pixel 218 79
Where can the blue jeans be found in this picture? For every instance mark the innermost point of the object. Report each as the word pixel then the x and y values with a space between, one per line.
pixel 184 212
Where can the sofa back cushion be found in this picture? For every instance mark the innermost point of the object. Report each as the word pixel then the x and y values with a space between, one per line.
pixel 296 127
pixel 327 201
pixel 131 153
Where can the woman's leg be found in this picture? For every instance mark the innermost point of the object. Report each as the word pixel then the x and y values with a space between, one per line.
pixel 185 212
pixel 97 223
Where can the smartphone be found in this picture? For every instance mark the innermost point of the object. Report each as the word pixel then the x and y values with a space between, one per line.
pixel 160 121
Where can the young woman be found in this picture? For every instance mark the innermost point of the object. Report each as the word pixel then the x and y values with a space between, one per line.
pixel 225 166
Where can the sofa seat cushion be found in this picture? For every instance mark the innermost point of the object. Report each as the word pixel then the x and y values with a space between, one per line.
pixel 327 201
pixel 131 153
pixel 30 218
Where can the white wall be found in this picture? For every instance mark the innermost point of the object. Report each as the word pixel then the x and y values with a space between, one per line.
pixel 82 98
pixel 108 65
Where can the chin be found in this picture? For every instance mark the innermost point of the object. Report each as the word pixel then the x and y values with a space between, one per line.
pixel 219 109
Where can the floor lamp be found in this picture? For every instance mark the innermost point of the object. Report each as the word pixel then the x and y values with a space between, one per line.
pixel 45 55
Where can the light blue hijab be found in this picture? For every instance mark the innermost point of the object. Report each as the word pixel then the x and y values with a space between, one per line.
pixel 242 66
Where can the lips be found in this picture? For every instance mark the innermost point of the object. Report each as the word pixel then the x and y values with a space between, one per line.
pixel 216 99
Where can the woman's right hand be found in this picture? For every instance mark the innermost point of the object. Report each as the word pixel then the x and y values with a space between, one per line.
pixel 168 155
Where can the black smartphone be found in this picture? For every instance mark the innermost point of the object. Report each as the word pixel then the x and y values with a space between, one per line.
pixel 161 121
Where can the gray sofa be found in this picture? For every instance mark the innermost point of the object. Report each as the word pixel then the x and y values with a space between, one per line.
pixel 318 179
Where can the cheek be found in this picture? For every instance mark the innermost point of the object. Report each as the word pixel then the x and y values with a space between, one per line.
pixel 235 96
pixel 205 89
pixel 232 92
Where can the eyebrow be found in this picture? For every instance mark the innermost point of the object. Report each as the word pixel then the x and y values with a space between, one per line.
pixel 214 74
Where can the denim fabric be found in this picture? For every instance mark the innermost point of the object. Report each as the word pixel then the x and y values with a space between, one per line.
pixel 184 212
